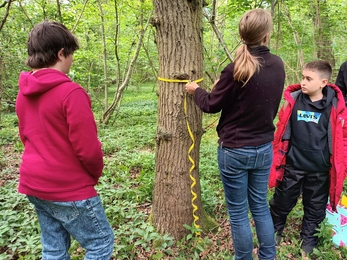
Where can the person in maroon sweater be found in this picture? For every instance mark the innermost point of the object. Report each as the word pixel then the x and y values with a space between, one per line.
pixel 248 95
pixel 62 159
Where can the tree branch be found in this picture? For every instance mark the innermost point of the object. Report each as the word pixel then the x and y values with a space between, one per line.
pixel 79 17
pixel 6 14
pixel 26 14
pixel 211 20
pixel 118 95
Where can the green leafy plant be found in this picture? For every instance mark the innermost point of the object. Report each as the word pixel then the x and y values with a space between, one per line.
pixel 126 192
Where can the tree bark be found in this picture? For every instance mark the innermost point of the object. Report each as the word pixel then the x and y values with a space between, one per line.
pixel 178 26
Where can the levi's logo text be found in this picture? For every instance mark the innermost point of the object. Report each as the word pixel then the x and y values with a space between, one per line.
pixel 308 116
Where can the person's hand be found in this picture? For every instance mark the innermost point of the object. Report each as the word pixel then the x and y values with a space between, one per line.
pixel 191 87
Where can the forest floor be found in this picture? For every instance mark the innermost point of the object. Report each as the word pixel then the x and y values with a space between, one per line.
pixel 218 241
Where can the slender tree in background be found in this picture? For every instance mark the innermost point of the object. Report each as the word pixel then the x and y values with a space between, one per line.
pixel 322 31
pixel 0 88
pixel 178 26
pixel 299 57
pixel 104 52
pixel 6 5
pixel 123 82
pixel 60 18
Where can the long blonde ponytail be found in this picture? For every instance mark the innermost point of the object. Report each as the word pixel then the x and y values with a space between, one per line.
pixel 254 29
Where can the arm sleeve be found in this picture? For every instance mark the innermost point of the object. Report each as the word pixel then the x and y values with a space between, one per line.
pixel 341 80
pixel 82 131
pixel 220 96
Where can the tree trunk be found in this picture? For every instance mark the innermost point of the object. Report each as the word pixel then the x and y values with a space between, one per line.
pixel 104 52
pixel 179 40
pixel 1 90
pixel 118 95
pixel 59 12
pixel 2 23
pixel 322 31
pixel 297 40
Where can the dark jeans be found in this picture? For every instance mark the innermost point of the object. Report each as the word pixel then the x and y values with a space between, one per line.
pixel 314 187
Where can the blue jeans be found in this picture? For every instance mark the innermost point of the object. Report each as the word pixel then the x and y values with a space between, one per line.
pixel 85 220
pixel 245 173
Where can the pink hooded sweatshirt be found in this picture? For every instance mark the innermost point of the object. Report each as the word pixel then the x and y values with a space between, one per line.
pixel 62 159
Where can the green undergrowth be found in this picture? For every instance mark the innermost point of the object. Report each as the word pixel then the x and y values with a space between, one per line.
pixel 126 191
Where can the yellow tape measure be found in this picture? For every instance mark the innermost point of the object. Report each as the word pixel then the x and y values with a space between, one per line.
pixel 194 195
pixel 179 80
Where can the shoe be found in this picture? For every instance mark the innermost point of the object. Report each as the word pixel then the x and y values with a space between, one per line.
pixel 278 239
pixel 307 249
pixel 304 256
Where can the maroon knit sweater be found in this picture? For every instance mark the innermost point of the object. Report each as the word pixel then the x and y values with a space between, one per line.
pixel 247 112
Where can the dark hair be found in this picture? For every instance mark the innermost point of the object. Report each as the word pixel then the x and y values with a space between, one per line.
pixel 254 26
pixel 321 67
pixel 45 41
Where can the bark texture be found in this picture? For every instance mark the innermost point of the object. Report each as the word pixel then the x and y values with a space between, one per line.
pixel 179 42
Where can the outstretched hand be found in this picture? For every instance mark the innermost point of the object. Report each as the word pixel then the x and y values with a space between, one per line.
pixel 191 87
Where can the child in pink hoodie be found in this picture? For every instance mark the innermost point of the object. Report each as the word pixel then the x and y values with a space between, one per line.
pixel 62 159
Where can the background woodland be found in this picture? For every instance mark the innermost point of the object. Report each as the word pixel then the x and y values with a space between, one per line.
pixel 117 45
pixel 118 64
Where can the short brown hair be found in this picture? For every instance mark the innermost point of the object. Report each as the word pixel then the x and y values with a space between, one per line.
pixel 321 67
pixel 45 41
